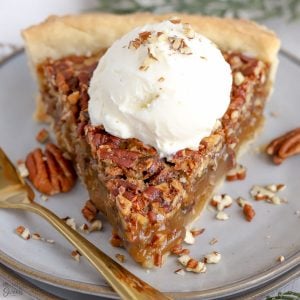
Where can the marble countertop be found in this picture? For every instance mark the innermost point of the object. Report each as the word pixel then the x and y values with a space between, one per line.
pixel 12 20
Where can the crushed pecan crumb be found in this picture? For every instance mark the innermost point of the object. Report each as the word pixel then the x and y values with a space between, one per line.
pixel 213 241
pixel 84 228
pixel 175 20
pixel 120 257
pixel 44 197
pixel 42 136
pixel 76 255
pixel 36 236
pixel 189 237
pixel 238 78
pixel 151 54
pixel 188 30
pixel 180 272
pixel 135 44
pixel 22 169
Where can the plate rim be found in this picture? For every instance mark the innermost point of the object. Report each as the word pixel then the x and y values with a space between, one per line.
pixel 100 290
pixel 21 281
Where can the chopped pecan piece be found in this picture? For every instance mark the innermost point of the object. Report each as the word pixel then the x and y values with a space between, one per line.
pixel 144 36
pixel 284 146
pixel 89 211
pixel 221 201
pixel 248 212
pixel 70 222
pixel 179 250
pixel 96 226
pixel 266 193
pixel 175 20
pixel 189 237
pixel 23 232
pixel 212 258
pixel 50 172
pixel 237 173
pixel 192 265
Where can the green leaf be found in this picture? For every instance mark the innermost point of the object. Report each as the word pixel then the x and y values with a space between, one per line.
pixel 255 9
pixel 285 296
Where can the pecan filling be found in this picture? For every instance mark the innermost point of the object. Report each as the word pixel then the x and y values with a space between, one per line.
pixel 149 200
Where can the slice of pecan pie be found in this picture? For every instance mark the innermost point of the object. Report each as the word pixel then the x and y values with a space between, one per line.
pixel 148 199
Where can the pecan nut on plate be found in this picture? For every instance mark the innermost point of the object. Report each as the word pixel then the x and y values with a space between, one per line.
pixel 284 146
pixel 49 171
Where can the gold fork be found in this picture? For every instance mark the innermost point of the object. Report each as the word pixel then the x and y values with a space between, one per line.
pixel 16 194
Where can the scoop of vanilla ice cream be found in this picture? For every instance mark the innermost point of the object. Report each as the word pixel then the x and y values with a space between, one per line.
pixel 163 84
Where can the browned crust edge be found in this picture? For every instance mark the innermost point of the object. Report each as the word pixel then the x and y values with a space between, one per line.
pixel 83 34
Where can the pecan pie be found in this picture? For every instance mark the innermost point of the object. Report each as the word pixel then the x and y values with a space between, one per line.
pixel 149 200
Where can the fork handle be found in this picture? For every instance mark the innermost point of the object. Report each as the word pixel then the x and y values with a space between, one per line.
pixel 126 284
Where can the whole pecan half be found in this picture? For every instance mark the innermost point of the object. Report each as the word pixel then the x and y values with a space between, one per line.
pixel 284 146
pixel 50 172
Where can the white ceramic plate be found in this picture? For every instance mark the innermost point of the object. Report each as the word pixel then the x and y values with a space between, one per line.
pixel 249 250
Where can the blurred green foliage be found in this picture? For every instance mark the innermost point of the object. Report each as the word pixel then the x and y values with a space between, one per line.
pixel 254 9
